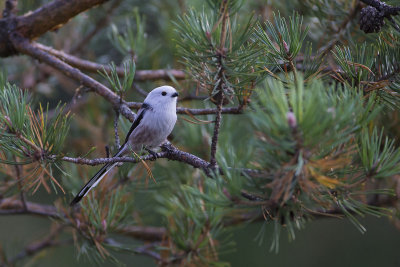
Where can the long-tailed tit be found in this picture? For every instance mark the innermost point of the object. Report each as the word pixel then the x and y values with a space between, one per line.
pixel 154 122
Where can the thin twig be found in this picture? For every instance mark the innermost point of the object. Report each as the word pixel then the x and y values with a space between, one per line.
pixel 217 125
pixel 117 142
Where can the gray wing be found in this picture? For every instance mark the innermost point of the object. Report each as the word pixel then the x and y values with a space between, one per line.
pixel 145 107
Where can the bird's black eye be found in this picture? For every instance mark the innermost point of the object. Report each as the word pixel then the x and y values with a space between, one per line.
pixel 163 93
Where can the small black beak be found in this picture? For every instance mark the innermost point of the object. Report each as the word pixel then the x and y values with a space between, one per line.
pixel 175 94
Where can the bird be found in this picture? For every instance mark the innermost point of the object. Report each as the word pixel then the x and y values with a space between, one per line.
pixel 155 120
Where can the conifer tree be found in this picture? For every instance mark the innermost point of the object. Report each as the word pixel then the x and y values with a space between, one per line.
pixel 287 114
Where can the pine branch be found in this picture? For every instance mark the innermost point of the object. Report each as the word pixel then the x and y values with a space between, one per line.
pixel 31 49
pixel 86 65
pixel 220 90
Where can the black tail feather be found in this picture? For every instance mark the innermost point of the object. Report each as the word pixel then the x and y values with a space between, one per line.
pixel 89 185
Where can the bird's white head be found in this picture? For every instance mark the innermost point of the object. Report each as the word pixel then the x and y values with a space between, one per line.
pixel 162 97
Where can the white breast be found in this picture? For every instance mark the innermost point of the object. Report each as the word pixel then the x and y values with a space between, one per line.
pixel 154 128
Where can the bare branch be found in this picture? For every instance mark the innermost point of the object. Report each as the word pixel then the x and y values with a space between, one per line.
pixel 31 49
pixel 145 233
pixel 9 206
pixel 170 152
pixel 52 16
pixel 195 111
pixel 86 65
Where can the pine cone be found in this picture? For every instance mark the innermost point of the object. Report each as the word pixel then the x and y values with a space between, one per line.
pixel 371 20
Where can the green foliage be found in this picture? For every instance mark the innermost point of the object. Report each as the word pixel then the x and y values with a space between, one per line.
pixel 282 40
pixel 107 214
pixel 227 56
pixel 379 155
pixel 193 223
pixel 305 150
pixel 318 112
pixel 356 63
pixel 13 108
pixel 27 137
pixel 375 73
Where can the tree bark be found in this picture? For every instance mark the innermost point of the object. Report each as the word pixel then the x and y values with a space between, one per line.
pixel 49 17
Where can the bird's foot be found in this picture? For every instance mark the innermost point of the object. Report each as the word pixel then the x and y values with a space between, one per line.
pixel 167 147
pixel 154 154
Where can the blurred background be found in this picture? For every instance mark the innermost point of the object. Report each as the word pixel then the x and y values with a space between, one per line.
pixel 326 242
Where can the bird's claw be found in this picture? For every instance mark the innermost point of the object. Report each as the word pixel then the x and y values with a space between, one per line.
pixel 167 147
pixel 154 154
